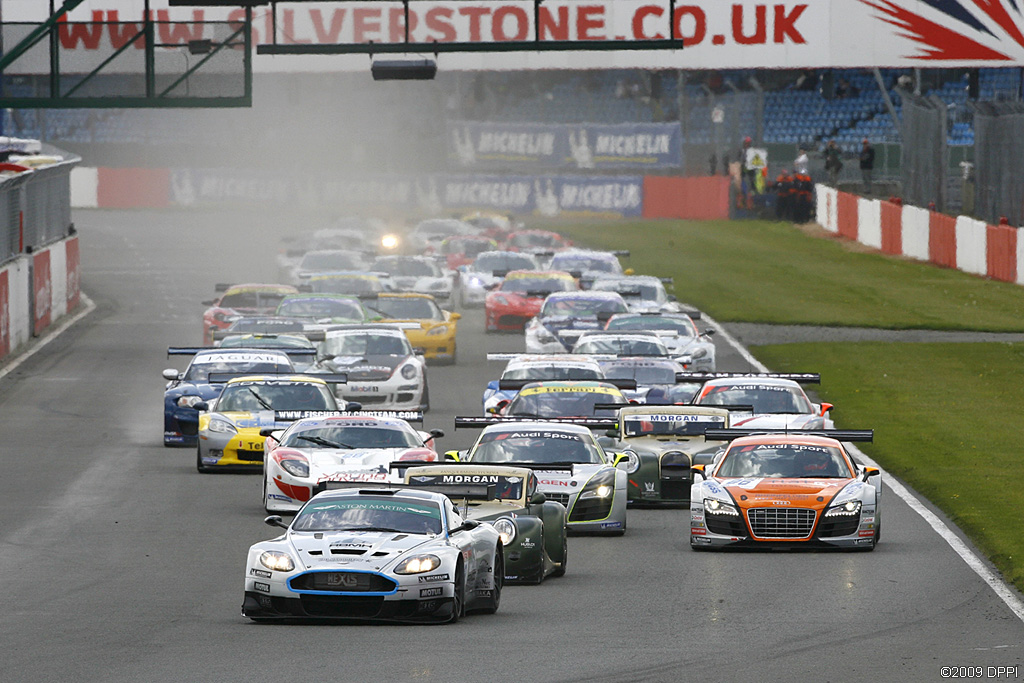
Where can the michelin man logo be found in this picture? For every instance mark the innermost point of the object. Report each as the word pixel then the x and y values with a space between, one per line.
pixel 545 198
pixel 580 147
pixel 465 151
pixel 427 197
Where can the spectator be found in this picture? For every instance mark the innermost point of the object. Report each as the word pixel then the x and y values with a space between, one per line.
pixel 833 163
pixel 867 164
pixel 801 161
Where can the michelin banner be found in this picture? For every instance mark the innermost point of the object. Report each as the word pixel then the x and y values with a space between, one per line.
pixel 546 195
pixel 584 146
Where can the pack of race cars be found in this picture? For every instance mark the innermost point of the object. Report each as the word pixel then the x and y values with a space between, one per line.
pixel 318 384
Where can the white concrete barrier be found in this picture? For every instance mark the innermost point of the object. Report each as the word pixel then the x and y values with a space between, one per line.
pixel 59 280
pixel 915 232
pixel 827 207
pixel 869 222
pixel 21 295
pixel 971 245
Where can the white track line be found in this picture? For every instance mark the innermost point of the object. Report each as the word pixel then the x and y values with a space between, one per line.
pixel 89 307
pixel 1005 592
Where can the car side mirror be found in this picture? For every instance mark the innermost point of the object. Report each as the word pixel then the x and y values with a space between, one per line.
pixel 455 316
pixel 613 433
pixel 170 374
pixel 825 407
pixel 871 472
pixel 436 433
pixel 275 520
pixel 201 406
pixel 468 525
pixel 538 498
pixel 698 469
pixel 452 456
pixel 710 332
pixel 211 302
pixel 353 406
pixel 272 431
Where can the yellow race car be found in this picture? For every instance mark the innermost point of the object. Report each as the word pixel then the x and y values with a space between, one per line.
pixel 435 333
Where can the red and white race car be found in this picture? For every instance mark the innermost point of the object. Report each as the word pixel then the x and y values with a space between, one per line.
pixel 520 296
pixel 236 301
pixel 355 447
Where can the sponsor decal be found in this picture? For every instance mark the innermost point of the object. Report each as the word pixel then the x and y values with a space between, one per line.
pixel 470 479
pixel 433 578
pixel 648 487
pixel 261 587
pixel 700 540
pixel 73 263
pixel 235 357
pixel 294 415
pixel 697 532
pixel 261 573
pixel 611 525
pixel 431 592
pixel 675 418
pixel 501 436
pixel 484 592
pixel 557 482
pixel 362 389
pixel 342 580
pixel 277 496
pixel 350 544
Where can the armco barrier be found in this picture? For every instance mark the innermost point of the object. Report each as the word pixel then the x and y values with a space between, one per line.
pixel 869 214
pixel 971 245
pixel 942 240
pixel 705 198
pixel 1001 254
pixel 964 243
pixel 891 217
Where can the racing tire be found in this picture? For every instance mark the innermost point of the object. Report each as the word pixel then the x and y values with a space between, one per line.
pixel 425 401
pixel 459 600
pixel 498 572
pixel 200 467
pixel 560 569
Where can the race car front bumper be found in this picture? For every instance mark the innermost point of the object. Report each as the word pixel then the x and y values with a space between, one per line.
pixel 356 608
pixel 392 395
pixel 709 532
pixel 242 450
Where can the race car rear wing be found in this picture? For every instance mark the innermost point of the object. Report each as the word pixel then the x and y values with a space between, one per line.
pixel 801 377
pixel 861 435
pixel 517 384
pixel 453 491
pixel 224 377
pixel 691 314
pixel 561 356
pixel 222 287
pixel 476 422
pixel 193 350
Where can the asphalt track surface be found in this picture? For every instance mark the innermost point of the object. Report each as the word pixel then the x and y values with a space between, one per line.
pixel 120 562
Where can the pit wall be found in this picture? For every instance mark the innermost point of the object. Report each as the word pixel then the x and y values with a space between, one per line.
pixel 695 198
pixel 963 243
pixel 37 290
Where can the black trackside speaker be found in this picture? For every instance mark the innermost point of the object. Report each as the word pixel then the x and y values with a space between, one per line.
pixel 403 69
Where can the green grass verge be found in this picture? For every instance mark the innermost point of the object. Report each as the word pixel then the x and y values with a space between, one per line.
pixel 758 271
pixel 941 414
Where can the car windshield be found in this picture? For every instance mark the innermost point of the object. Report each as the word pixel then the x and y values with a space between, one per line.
pixel 367 435
pixel 684 327
pixel 667 424
pixel 322 260
pixel 535 446
pixel 765 398
pixel 643 374
pixel 631 290
pixel 265 325
pixel 564 401
pixel 407 268
pixel 621 347
pixel 335 309
pixel 258 395
pixel 551 371
pixel 571 263
pixel 787 461
pixel 537 284
pixel 265 341
pixel 581 307
pixel 201 367
pixel 407 308
pixel 345 284
pixel 366 344
pixel 264 301
pixel 492 262
pixel 536 239
pixel 468 247
pixel 370 513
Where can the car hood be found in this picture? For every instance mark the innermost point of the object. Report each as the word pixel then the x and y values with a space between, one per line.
pixel 778 421
pixel 207 391
pixel 759 492
pixel 561 481
pixel 365 368
pixel 364 549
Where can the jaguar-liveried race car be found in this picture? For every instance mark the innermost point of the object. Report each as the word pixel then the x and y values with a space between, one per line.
pixel 779 489
pixel 532 528
pixel 375 554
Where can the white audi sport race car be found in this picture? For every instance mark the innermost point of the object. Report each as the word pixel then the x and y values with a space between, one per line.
pixel 777 399
pixel 355 447
pixel 572 467
pixel 375 554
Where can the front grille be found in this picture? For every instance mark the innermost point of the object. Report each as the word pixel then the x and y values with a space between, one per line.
pixel 513 320
pixel 590 510
pixel 831 527
pixel 343 582
pixel 250 456
pixel 562 498
pixel 780 522
pixel 726 525
pixel 352 606
pixel 403 398
pixel 357 375
pixel 368 399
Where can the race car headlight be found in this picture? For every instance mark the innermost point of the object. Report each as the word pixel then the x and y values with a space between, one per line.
pixel 474 281
pixel 295 467
pixel 632 462
pixel 189 401
pixel 418 564
pixel 439 330
pixel 602 486
pixel 278 562
pixel 499 300
pixel 699 353
pixel 506 528
pixel 389 241
pixel 847 509
pixel 408 371
pixel 222 427
pixel 717 507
